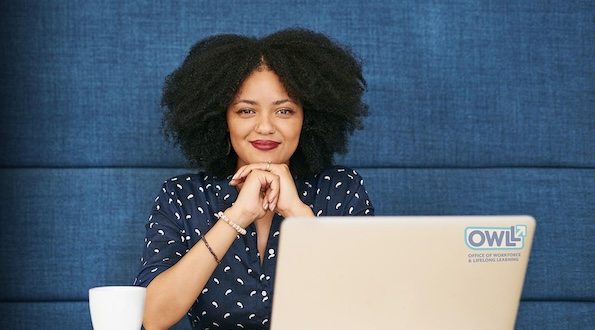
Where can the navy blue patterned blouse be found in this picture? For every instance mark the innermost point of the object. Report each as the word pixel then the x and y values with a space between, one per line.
pixel 239 293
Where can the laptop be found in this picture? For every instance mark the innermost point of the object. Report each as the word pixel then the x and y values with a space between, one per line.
pixel 401 272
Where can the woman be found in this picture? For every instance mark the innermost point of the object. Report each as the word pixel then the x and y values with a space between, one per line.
pixel 262 118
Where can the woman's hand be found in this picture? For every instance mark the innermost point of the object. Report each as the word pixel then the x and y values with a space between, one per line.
pixel 259 192
pixel 284 200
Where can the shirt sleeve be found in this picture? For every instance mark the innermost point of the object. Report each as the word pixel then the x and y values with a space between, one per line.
pixel 166 239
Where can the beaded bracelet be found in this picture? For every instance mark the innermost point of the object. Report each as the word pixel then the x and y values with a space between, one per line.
pixel 210 250
pixel 235 226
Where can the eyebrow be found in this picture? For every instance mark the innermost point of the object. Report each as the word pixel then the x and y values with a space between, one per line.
pixel 255 103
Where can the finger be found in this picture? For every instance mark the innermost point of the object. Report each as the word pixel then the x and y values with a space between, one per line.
pixel 238 173
pixel 273 203
pixel 239 176
pixel 245 170
pixel 271 195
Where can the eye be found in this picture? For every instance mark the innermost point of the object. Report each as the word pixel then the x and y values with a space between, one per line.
pixel 245 112
pixel 285 112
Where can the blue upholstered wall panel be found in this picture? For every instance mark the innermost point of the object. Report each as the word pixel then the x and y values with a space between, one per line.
pixel 66 234
pixel 456 83
pixel 74 315
pixel 477 107
pixel 69 315
pixel 92 239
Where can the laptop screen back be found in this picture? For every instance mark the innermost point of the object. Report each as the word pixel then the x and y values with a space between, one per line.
pixel 439 272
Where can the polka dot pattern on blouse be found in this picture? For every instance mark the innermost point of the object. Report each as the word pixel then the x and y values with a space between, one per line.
pixel 239 293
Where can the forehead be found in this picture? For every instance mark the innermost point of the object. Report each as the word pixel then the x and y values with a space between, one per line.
pixel 258 79
pixel 264 80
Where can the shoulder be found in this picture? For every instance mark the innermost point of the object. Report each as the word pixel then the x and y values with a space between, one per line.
pixel 199 180
pixel 189 196
pixel 339 190
pixel 192 186
pixel 336 178
pixel 340 173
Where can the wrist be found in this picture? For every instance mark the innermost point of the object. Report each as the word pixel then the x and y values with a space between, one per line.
pixel 238 217
pixel 301 210
pixel 238 228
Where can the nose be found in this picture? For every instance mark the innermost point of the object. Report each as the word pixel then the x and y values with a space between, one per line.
pixel 265 125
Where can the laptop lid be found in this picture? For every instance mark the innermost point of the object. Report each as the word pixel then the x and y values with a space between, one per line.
pixel 395 272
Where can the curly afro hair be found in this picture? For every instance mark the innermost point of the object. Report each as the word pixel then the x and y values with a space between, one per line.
pixel 325 77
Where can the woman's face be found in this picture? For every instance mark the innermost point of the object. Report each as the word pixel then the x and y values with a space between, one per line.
pixel 264 122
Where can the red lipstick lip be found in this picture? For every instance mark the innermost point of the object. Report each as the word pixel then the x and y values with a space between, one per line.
pixel 264 145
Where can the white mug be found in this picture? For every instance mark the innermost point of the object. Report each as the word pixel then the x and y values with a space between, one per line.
pixel 117 307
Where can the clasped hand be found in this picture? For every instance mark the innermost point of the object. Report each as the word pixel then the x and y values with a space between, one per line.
pixel 265 187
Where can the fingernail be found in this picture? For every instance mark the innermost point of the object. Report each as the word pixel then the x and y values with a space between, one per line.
pixel 266 206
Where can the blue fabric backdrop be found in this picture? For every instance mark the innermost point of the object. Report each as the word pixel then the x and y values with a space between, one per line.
pixel 477 107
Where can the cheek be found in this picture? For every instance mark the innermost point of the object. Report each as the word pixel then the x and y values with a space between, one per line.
pixel 297 127
pixel 296 133
pixel 236 129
